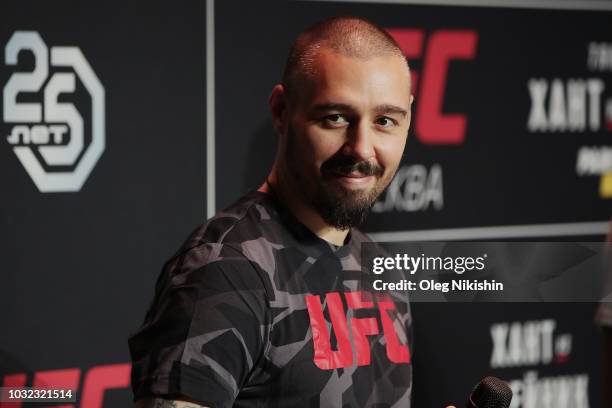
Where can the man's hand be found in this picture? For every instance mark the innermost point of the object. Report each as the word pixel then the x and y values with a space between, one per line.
pixel 164 403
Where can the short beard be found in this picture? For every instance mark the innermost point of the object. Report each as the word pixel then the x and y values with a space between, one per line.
pixel 339 207
pixel 343 208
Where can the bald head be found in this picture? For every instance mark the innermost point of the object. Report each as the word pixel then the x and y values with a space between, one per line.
pixel 353 37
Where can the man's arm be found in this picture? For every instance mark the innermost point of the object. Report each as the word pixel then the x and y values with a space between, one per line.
pixel 178 355
pixel 164 403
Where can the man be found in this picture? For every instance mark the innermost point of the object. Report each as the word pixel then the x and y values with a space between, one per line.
pixel 261 306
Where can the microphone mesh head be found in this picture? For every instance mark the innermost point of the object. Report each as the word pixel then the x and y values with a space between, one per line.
pixel 491 392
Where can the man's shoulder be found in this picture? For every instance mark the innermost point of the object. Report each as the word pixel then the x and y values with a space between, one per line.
pixel 213 258
pixel 238 221
pixel 224 235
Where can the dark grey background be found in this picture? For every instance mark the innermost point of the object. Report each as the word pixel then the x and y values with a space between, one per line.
pixel 501 175
pixel 79 268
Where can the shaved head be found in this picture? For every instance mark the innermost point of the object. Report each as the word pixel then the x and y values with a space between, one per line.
pixel 342 114
pixel 354 37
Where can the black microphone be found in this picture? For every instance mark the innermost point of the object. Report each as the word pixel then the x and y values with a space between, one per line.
pixel 490 392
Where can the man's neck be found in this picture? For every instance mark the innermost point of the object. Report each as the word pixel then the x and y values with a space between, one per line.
pixel 303 212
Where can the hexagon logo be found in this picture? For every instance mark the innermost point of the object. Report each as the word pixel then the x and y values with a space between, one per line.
pixel 49 138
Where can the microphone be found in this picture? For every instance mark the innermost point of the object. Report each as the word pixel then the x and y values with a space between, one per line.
pixel 490 392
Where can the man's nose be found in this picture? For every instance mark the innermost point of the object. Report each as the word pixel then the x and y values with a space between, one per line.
pixel 359 143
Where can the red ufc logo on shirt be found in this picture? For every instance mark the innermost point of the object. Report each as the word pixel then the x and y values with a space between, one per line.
pixel 324 357
pixel 443 46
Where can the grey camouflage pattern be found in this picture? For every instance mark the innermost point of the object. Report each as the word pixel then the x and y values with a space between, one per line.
pixel 229 324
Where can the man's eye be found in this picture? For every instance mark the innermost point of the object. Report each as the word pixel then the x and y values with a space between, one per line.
pixel 335 120
pixel 385 122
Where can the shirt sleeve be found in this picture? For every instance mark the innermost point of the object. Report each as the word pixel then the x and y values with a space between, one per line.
pixel 205 331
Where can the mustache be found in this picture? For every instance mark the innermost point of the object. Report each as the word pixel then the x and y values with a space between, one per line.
pixel 344 165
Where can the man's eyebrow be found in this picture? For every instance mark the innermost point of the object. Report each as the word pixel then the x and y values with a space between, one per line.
pixel 324 107
pixel 385 108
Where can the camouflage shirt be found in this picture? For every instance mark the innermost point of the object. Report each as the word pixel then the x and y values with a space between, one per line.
pixel 257 311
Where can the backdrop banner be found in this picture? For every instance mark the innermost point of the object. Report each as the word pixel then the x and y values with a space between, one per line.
pixel 103 172
pixel 511 122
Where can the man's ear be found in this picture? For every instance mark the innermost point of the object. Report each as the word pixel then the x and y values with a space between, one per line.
pixel 278 107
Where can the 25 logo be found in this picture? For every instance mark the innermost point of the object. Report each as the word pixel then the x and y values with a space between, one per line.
pixel 55 130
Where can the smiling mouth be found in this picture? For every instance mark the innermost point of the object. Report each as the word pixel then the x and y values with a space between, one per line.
pixel 353 179
pixel 353 174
